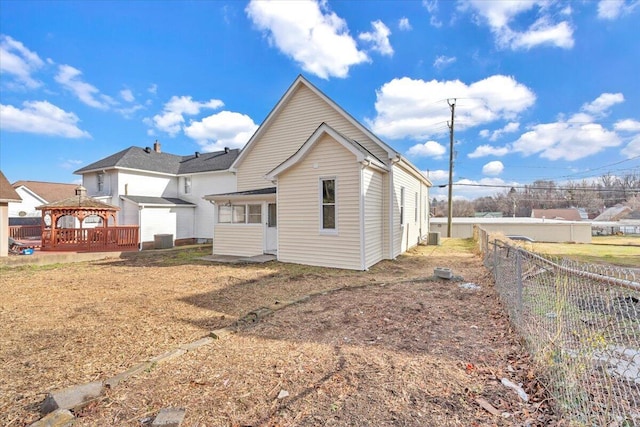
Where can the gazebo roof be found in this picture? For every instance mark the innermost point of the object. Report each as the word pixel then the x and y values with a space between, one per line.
pixel 80 201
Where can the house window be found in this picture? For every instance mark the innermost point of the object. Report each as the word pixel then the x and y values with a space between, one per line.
pixel 415 210
pixel 224 214
pixel 328 188
pixel 100 182
pixel 401 205
pixel 187 185
pixel 239 214
pixel 254 214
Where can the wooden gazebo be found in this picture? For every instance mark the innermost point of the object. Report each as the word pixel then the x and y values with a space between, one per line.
pixel 83 224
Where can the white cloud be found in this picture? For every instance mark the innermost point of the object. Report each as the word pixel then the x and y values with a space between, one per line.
pixel 565 140
pixel 627 125
pixel 493 168
pixel 602 103
pixel 500 15
pixel 488 150
pixel 432 8
pixel 153 89
pixel 69 77
pixel 409 108
pixel 379 38
pixel 494 135
pixel 69 163
pixel 127 95
pixel 437 175
pixel 17 60
pixel 442 61
pixel 308 32
pixel 612 9
pixel 223 129
pixel 633 148
pixel 404 24
pixel 172 116
pixel 40 117
pixel 542 32
pixel 428 149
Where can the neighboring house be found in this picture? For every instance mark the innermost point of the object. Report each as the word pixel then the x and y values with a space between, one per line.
pixel 162 193
pixel 568 214
pixel 614 213
pixel 7 195
pixel 37 193
pixel 316 187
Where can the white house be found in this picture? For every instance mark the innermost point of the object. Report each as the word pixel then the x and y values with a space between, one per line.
pixel 161 192
pixel 316 187
pixel 37 193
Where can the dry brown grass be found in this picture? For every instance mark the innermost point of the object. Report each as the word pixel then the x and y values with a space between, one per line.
pixel 412 352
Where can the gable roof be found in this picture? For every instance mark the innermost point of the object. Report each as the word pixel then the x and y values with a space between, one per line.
pixel 79 200
pixel 48 191
pixel 302 81
pixel 360 152
pixel 614 213
pixel 7 192
pixel 146 159
pixel 570 214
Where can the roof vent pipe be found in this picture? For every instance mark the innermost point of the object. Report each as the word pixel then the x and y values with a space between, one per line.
pixel 147 149
pixel 156 147
pixel 197 154
pixel 226 150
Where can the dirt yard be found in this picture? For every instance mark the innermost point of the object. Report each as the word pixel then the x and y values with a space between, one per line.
pixel 391 346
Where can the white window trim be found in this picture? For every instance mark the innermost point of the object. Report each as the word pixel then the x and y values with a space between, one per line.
pixel 186 185
pixel 327 231
pixel 415 209
pixel 100 182
pixel 246 215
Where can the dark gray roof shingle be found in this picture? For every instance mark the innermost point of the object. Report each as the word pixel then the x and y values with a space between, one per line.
pixel 161 201
pixel 149 160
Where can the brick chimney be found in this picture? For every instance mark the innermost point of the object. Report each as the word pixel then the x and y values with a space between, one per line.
pixel 156 147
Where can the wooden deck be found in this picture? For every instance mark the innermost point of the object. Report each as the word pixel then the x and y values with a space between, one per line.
pixel 99 239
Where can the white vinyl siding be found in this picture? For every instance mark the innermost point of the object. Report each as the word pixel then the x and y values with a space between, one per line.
pixel 292 126
pixel 299 237
pixel 408 234
pixel 374 212
pixel 238 240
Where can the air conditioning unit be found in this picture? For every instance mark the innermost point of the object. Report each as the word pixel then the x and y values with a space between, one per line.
pixel 434 238
pixel 163 241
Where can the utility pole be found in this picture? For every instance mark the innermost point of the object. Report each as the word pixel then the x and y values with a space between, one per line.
pixel 452 106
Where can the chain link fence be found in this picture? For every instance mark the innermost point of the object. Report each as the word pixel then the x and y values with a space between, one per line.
pixel 581 323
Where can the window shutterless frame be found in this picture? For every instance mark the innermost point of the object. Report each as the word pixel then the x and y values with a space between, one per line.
pixel 328 204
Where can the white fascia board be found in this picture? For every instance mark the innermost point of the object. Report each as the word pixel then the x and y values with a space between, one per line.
pixel 306 147
pixel 238 198
pixel 301 80
pixel 32 193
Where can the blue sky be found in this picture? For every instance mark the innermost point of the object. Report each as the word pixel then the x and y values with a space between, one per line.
pixel 543 89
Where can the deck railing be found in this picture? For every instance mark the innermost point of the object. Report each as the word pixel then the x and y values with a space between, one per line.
pixel 21 232
pixel 99 239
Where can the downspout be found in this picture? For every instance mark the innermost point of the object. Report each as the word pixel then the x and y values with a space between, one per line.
pixel 140 207
pixel 392 224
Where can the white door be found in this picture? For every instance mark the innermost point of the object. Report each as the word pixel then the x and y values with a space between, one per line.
pixel 271 233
